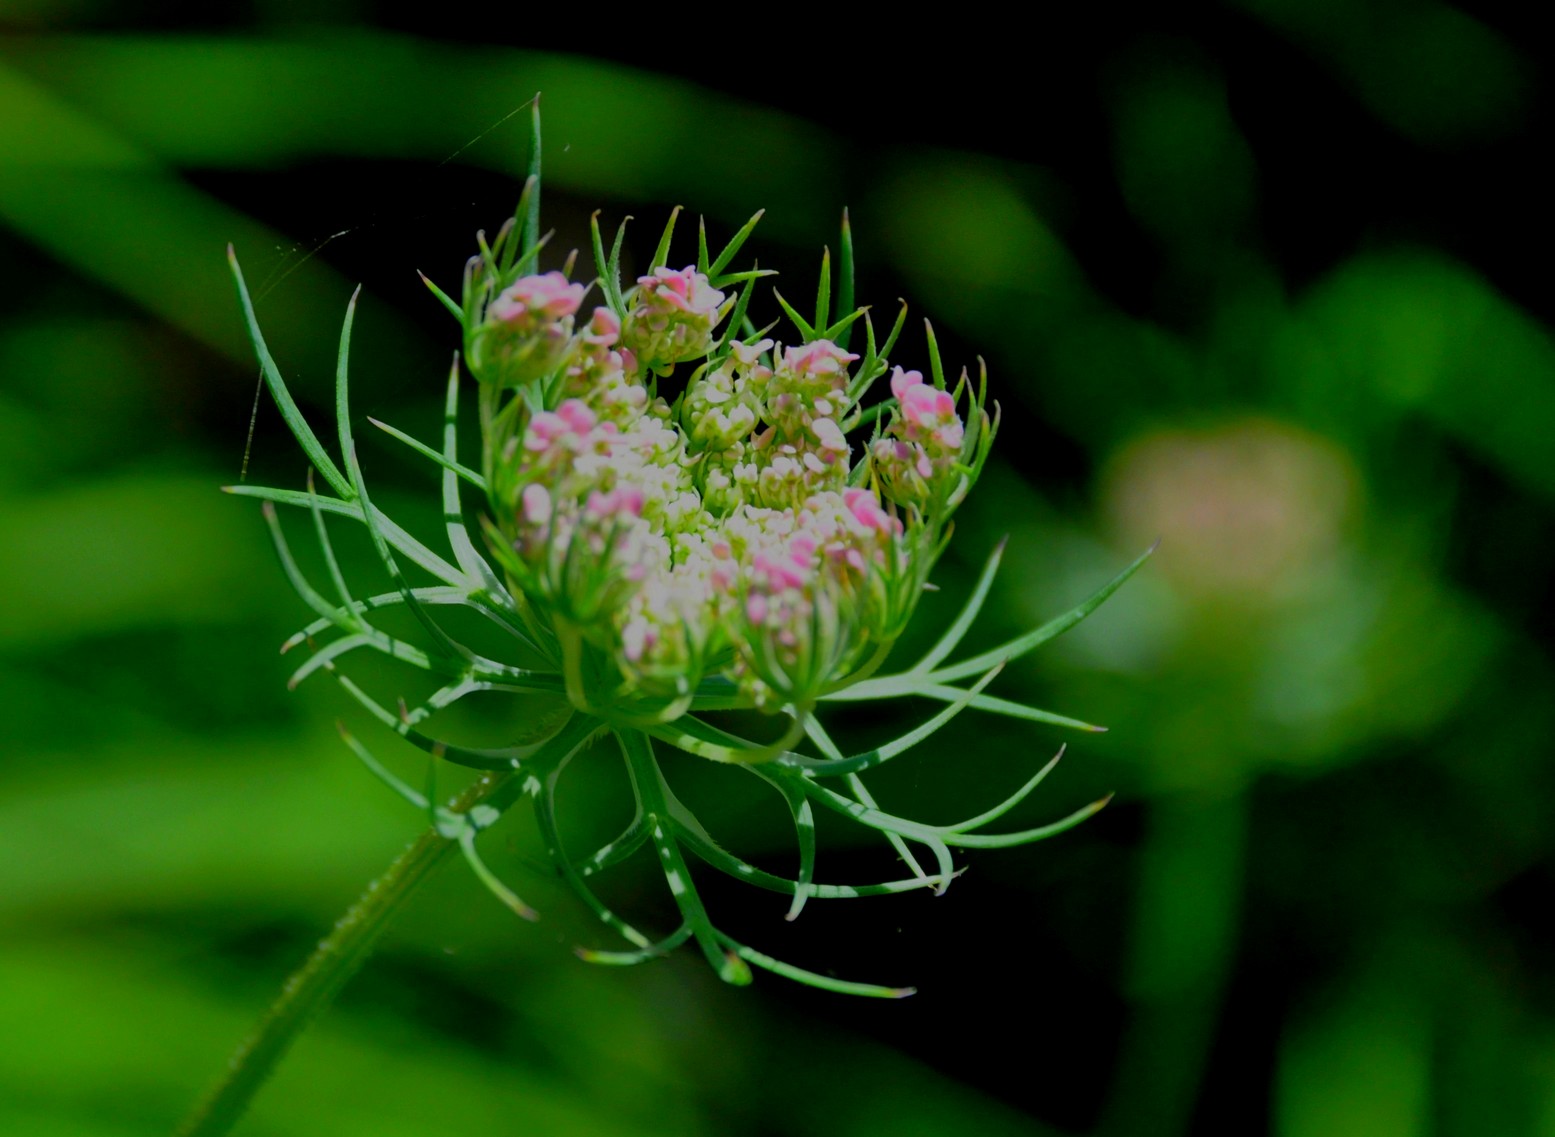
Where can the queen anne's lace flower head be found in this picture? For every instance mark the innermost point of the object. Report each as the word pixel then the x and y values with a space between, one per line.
pixel 730 533
pixel 756 539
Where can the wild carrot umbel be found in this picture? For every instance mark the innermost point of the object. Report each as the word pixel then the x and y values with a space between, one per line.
pixel 760 542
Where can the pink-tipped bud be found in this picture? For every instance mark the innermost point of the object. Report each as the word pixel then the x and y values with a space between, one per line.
pixel 672 317
pixel 576 414
pixel 776 575
pixel 927 407
pixel 866 510
pixel 604 328
pixel 623 501
pixel 817 358
pixel 686 290
pixel 527 332
pixel 565 429
pixel 550 295
pixel 902 381
pixel 536 502
pixel 544 429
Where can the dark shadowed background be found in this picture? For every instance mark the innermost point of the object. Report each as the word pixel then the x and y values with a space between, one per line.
pixel 1267 279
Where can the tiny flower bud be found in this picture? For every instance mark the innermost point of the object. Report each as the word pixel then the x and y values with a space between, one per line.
pixel 672 318
pixel 915 458
pixel 527 331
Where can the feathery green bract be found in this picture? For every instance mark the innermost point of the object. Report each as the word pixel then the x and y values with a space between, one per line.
pixel 715 270
pixel 662 253
pixel 845 272
pixel 580 699
pixel 806 330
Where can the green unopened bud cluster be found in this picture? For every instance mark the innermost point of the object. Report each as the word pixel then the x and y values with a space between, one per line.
pixel 734 532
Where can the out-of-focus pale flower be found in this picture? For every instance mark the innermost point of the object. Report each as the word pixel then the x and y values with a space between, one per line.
pixel 1251 510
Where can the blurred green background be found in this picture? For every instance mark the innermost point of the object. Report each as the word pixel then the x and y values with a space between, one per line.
pixel 1267 279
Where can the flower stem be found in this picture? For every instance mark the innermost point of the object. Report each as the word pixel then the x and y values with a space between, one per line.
pixel 314 985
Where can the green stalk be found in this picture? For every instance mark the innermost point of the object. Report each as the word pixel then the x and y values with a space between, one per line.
pixel 1184 945
pixel 312 987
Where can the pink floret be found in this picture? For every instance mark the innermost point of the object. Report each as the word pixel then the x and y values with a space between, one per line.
pixel 577 415
pixel 573 418
pixel 545 428
pixel 550 294
pixel 819 357
pixel 866 510
pixel 626 500
pixel 686 290
pixel 926 406
pixel 604 328
pixel 901 381
pixel 777 575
